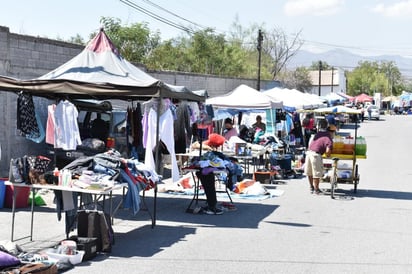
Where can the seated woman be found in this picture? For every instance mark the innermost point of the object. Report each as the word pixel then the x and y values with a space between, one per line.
pixel 208 164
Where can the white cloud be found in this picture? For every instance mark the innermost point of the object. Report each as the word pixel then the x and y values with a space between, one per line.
pixel 312 7
pixel 403 8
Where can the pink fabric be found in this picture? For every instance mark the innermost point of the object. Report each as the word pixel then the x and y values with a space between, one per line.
pixel 101 43
pixel 230 133
pixel 50 124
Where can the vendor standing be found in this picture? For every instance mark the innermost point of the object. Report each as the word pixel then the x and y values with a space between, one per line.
pixel 322 144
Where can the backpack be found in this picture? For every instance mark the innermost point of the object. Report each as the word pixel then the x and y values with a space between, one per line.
pixel 96 224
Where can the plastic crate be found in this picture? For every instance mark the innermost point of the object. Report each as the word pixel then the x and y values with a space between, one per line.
pixel 88 245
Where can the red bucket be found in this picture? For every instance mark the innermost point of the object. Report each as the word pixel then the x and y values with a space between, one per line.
pixel 22 196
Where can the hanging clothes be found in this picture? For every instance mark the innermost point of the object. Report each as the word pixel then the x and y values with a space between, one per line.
pixel 166 135
pixel 182 127
pixel 50 125
pixel 152 104
pixel 26 117
pixel 67 134
pixel 42 133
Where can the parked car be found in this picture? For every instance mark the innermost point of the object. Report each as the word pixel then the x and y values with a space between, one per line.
pixel 375 112
pixel 101 127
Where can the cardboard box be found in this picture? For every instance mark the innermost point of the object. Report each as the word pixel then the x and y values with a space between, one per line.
pixel 264 177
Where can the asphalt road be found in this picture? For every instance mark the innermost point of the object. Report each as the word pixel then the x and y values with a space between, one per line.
pixel 298 232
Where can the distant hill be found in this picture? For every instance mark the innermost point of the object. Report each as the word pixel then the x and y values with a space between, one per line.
pixel 347 60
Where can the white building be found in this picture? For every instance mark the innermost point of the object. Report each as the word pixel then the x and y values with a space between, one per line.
pixel 333 80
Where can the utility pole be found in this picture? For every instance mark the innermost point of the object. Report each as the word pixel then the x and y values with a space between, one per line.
pixel 320 77
pixel 331 84
pixel 259 48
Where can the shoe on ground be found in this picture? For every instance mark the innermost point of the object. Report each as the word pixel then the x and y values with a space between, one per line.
pixel 319 192
pixel 312 190
pixel 213 211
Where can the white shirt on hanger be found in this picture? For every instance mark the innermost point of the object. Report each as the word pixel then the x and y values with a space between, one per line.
pixel 67 134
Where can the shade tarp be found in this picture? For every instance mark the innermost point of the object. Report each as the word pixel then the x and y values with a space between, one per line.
pixel 100 72
pixel 337 109
pixel 243 98
pixel 362 98
pixel 333 97
pixel 293 99
pixel 390 99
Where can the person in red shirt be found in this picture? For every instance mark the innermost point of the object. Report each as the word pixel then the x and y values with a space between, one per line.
pixel 309 127
pixel 322 144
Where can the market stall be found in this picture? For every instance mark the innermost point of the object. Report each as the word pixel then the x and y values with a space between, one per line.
pixel 348 147
pixel 100 72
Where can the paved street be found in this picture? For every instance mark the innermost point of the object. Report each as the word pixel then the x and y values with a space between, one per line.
pixel 298 232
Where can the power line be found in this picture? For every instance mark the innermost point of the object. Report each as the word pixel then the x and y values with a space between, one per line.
pixel 155 16
pixel 174 14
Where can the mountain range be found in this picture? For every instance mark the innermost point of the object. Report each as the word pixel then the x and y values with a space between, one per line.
pixel 347 60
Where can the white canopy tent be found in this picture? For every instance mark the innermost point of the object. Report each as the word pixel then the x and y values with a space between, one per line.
pixel 337 109
pixel 244 98
pixel 293 99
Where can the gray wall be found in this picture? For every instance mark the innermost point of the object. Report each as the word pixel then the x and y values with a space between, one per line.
pixel 28 57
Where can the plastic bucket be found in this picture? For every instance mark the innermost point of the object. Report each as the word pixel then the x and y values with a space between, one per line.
pixel 22 196
pixel 2 191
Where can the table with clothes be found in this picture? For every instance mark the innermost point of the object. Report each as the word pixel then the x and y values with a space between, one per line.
pixel 98 175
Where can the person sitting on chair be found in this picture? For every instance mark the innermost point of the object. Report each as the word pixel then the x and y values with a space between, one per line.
pixel 259 124
pixel 229 130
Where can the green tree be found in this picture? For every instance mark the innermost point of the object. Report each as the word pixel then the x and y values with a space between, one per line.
pixel 323 65
pixel 76 40
pixel 135 42
pixel 375 77
pixel 298 79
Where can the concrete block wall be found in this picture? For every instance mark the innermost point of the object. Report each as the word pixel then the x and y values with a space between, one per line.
pixel 28 57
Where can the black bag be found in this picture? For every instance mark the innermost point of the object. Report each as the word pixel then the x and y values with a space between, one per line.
pixel 96 224
pixel 19 170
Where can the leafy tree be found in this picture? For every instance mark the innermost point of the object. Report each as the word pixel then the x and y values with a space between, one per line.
pixel 76 40
pixel 280 48
pixel 135 42
pixel 372 77
pixel 323 65
pixel 204 51
pixel 298 79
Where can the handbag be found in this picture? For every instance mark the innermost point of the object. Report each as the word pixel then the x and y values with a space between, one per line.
pixel 19 170
pixel 38 163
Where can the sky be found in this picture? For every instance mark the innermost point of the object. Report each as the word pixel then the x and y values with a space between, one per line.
pixel 365 27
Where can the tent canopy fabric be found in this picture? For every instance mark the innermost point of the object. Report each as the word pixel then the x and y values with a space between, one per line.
pixel 344 95
pixel 99 72
pixel 334 97
pixel 243 98
pixel 362 98
pixel 390 99
pixel 293 99
pixel 337 109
